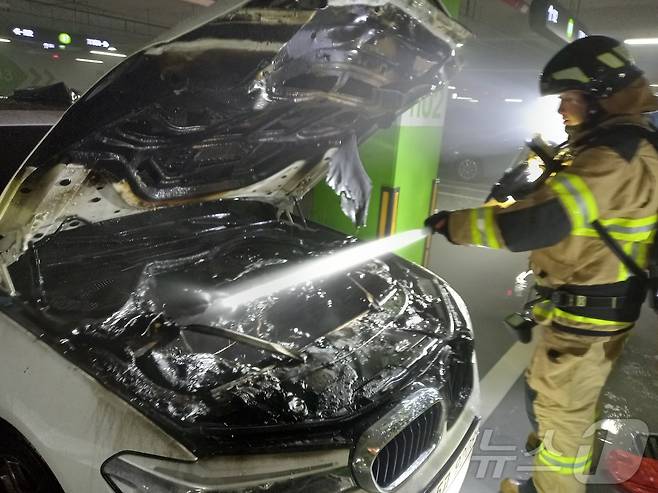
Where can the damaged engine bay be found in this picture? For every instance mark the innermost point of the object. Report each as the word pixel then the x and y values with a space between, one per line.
pixel 148 326
pixel 162 189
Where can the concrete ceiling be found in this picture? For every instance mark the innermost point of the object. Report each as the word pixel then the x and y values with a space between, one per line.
pixel 503 50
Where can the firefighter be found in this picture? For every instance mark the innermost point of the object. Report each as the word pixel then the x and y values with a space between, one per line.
pixel 589 298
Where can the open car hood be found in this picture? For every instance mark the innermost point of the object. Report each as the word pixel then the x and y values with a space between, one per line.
pixel 260 100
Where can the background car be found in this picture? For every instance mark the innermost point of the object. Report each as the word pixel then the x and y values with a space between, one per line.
pixel 25 117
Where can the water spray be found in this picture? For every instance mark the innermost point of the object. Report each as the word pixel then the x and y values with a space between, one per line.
pixel 325 266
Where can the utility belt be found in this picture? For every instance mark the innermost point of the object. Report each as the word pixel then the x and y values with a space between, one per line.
pixel 565 299
pixel 619 303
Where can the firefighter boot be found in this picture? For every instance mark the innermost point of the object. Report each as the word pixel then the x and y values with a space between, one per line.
pixel 510 485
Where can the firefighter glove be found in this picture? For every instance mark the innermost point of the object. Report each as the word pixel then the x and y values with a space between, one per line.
pixel 438 222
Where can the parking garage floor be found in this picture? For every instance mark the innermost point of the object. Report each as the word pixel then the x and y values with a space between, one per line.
pixel 485 279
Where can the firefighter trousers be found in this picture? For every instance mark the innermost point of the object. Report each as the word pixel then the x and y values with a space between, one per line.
pixel 565 376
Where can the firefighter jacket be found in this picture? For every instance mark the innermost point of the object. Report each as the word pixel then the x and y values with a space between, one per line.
pixel 613 178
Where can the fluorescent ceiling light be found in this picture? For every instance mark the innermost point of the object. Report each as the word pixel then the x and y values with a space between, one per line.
pixel 513 100
pixel 641 41
pixel 463 98
pixel 473 100
pixel 105 53
pixel 459 45
pixel 204 3
pixel 87 60
pixel 5 40
pixel 452 88
pixel 111 48
pixel 654 85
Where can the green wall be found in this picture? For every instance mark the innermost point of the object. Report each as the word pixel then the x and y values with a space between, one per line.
pixel 405 156
pixel 418 161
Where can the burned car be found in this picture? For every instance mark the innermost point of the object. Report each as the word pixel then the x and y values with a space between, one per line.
pixel 165 188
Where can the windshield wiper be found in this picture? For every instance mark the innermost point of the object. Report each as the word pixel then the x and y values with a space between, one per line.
pixel 257 342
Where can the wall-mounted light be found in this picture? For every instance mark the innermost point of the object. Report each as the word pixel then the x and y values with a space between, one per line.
pixel 203 3
pixel 105 53
pixel 64 38
pixel 88 60
pixel 641 41
pixel 5 40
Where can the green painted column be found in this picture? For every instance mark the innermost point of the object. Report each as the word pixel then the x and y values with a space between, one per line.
pixel 417 165
pixel 404 157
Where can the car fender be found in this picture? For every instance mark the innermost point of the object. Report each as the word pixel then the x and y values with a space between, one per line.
pixel 72 421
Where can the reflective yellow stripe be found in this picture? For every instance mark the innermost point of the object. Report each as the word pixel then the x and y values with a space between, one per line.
pixel 489 227
pixel 636 237
pixel 476 238
pixel 569 203
pixel 624 229
pixel 542 310
pixel 591 232
pixel 586 195
pixel 483 229
pixel 631 223
pixel 628 249
pixel 643 254
pixel 588 320
pixel 562 464
pixel 576 197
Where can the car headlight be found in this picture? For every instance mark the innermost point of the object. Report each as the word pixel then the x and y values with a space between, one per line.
pixel 319 472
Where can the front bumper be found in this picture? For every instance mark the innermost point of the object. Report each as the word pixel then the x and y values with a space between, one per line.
pixel 331 471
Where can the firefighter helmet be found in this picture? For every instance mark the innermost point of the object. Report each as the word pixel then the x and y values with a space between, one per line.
pixel 596 65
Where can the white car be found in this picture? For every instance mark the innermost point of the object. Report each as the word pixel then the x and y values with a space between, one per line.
pixel 169 187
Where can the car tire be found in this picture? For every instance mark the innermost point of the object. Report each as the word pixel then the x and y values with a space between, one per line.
pixel 469 169
pixel 22 470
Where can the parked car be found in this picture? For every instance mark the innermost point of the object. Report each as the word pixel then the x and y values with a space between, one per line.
pixel 25 117
pixel 166 188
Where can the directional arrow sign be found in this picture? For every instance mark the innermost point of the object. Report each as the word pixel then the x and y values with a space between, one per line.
pixel 29 33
